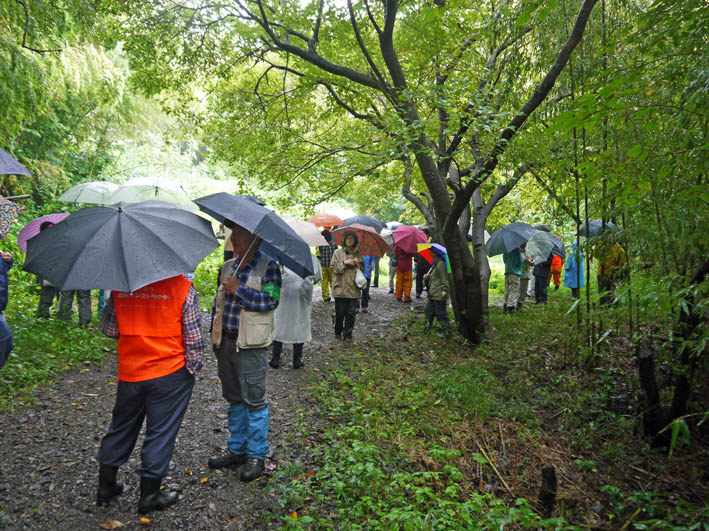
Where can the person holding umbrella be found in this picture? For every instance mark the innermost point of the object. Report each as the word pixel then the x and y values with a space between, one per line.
pixel 346 261
pixel 514 262
pixel 438 287
pixel 6 343
pixel 242 329
pixel 325 253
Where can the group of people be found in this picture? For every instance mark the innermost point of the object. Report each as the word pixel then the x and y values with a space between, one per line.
pixel 520 269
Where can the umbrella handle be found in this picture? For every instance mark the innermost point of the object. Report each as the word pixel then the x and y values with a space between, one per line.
pixel 253 240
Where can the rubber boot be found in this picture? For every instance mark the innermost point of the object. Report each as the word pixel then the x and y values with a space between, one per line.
pixel 275 361
pixel 298 360
pixel 152 498
pixel 107 486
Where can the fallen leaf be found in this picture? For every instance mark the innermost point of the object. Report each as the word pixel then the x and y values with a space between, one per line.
pixel 293 515
pixel 110 524
pixel 145 521
pixel 204 480
pixel 310 473
pixel 212 507
pixel 188 472
pixel 90 394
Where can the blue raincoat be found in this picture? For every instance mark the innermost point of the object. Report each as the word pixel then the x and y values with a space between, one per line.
pixel 574 261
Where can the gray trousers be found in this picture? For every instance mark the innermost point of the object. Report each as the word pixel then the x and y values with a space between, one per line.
pixel 243 374
pixel 83 301
pixel 523 286
pixel 512 284
pixel 46 299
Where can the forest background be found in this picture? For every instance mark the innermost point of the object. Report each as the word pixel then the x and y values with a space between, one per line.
pixel 410 112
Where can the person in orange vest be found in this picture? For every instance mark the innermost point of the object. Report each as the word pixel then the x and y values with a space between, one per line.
pixel 557 266
pixel 160 349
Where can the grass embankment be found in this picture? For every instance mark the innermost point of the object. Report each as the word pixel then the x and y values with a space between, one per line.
pixel 415 431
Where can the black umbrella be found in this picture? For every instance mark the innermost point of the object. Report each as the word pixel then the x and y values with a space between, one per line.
pixel 545 228
pixel 369 221
pixel 124 246
pixel 596 228
pixel 509 237
pixel 252 198
pixel 10 166
pixel 279 241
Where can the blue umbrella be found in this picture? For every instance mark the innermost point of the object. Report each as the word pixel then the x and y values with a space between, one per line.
pixel 558 248
pixel 595 227
pixel 10 166
pixel 508 237
pixel 279 241
pixel 369 221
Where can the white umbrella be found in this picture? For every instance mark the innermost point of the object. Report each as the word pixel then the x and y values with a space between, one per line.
pixel 143 189
pixel 306 230
pixel 388 235
pixel 95 192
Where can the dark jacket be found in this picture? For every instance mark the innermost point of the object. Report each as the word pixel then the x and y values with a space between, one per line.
pixel 543 269
pixel 4 281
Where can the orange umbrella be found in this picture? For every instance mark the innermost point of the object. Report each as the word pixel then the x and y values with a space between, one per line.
pixel 325 220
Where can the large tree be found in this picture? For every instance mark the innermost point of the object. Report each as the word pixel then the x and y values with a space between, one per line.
pixel 440 88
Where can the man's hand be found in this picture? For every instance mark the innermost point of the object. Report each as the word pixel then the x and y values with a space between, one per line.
pixel 231 284
pixel 426 275
pixel 351 262
pixel 444 293
pixel 5 256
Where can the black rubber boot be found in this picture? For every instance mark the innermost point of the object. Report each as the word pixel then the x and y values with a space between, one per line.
pixel 107 486
pixel 152 498
pixel 275 361
pixel 298 361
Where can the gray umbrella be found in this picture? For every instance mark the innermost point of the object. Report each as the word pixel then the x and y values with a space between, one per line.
pixel 559 248
pixel 123 247
pixel 369 221
pixel 596 228
pixel 10 166
pixel 279 241
pixel 508 237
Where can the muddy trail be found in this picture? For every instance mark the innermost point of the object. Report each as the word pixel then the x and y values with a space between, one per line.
pixel 48 476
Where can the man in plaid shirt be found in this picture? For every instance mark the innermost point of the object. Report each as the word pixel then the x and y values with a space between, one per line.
pixel 253 283
pixel 325 253
pixel 160 348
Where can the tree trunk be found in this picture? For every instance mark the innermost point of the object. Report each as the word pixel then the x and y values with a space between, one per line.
pixel 480 252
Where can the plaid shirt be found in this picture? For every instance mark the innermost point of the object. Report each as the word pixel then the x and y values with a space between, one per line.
pixel 250 299
pixel 191 329
pixel 326 252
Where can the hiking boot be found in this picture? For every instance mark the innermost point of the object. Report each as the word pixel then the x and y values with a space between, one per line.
pixel 252 469
pixel 107 486
pixel 227 460
pixel 274 363
pixel 152 498
pixel 338 336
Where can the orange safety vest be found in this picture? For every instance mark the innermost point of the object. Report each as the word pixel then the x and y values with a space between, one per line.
pixel 150 324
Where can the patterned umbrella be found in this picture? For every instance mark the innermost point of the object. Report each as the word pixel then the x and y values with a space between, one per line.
pixel 326 220
pixel 32 228
pixel 428 249
pixel 8 214
pixel 369 241
pixel 406 238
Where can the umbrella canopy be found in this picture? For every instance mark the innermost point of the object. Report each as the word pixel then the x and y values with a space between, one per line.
pixel 596 228
pixel 252 198
pixel 369 241
pixel 427 250
pixel 8 214
pixel 95 192
pixel 545 228
pixel 279 241
pixel 406 238
pixel 123 247
pixel 10 166
pixel 388 236
pixel 559 248
pixel 368 221
pixel 391 225
pixel 140 189
pixel 326 220
pixel 32 228
pixel 505 239
pixel 307 231
pixel 539 246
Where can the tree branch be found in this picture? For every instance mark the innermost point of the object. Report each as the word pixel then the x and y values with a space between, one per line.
pixel 24 34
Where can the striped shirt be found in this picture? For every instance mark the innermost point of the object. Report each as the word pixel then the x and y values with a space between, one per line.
pixel 191 329
pixel 251 299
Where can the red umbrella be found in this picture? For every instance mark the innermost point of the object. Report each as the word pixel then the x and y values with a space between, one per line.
pixel 325 220
pixel 406 238
pixel 369 241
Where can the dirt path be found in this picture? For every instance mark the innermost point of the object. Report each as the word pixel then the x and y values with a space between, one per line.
pixel 47 451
